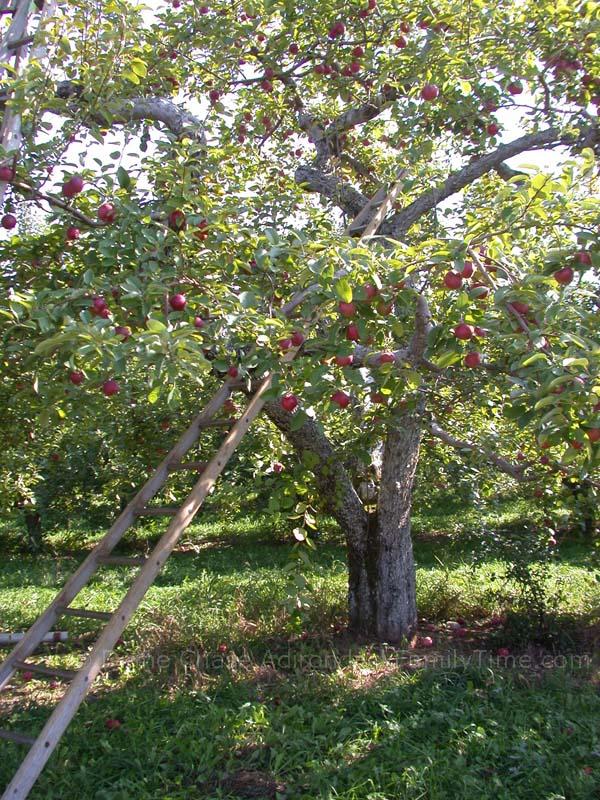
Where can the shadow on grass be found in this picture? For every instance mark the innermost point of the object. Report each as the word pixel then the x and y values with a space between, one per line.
pixel 363 728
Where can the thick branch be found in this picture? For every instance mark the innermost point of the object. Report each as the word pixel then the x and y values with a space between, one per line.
pixel 154 109
pixel 346 197
pixel 514 470
pixel 363 113
pixel 398 225
pixel 334 484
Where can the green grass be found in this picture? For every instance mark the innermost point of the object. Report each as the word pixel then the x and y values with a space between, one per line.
pixel 294 708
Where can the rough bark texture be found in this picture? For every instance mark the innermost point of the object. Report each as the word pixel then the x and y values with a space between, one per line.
pixel 382 575
pixel 381 579
pixel 33 525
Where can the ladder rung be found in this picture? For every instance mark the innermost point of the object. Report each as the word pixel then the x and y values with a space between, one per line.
pixel 123 561
pixel 19 738
pixel 159 511
pixel 42 669
pixel 84 612
pixel 199 465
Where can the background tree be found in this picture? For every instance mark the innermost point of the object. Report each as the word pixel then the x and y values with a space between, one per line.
pixel 237 140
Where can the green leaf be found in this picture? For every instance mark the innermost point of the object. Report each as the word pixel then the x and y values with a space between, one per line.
pixel 248 300
pixel 298 420
pixel 156 326
pixel 344 290
pixel 123 178
pixel 154 395
pixel 534 359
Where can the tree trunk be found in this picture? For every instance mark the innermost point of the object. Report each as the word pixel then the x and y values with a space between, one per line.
pixel 382 574
pixel 33 525
pixel 381 571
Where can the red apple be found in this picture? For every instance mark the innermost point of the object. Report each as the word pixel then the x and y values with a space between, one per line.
pixel 177 220
pixel 73 186
pixel 463 331
pixel 8 221
pixel 516 87
pixel 73 233
pixel 99 304
pixel 473 359
pixel 453 280
pixel 111 387
pixel 289 402
pixel 564 276
pixel 352 333
pixel 297 338
pixel 425 641
pixel 294 49
pixel 347 309
pixel 467 270
pixel 519 307
pixel 214 95
pixel 123 331
pixel 400 42
pixel 76 377
pixel 337 30
pixel 584 258
pixel 233 372
pixel 358 51
pixel 387 358
pixel 343 361
pixel 370 291
pixel 430 91
pixel 7 174
pixel 177 302
pixel 340 398
pixel 27 676
pixel 107 213
pixel 593 434
pixel 198 322
pixel 277 467
pixel 113 724
pixel 492 129
pixel 482 291
pixel 377 397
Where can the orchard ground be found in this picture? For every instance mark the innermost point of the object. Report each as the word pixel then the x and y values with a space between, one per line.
pixel 220 690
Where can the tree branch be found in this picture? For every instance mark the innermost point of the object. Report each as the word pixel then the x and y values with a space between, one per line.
pixel 154 109
pixel 346 197
pixel 398 225
pixel 514 470
pixel 334 484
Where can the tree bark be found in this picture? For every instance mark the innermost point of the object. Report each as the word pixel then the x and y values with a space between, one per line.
pixel 382 589
pixel 381 572
pixel 33 525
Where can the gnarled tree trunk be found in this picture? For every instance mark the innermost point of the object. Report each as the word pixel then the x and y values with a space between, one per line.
pixel 382 595
pixel 381 580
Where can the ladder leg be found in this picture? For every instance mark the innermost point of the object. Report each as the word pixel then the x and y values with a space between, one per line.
pixel 128 517
pixel 40 752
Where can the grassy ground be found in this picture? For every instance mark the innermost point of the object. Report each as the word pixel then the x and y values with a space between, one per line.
pixel 223 692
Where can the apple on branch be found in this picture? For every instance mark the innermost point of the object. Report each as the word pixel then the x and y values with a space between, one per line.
pixel 289 402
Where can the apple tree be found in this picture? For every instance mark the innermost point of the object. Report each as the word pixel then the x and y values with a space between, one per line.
pixel 204 174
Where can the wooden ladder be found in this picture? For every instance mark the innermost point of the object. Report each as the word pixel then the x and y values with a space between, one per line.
pixel 80 681
pixel 364 226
